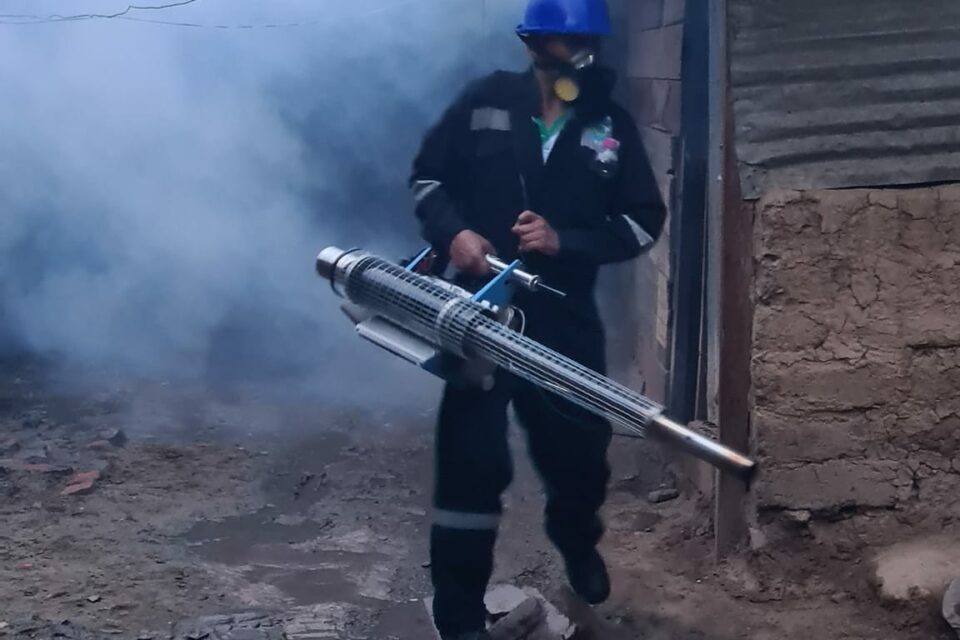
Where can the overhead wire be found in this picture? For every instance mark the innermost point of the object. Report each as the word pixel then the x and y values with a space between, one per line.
pixel 125 15
pixel 25 18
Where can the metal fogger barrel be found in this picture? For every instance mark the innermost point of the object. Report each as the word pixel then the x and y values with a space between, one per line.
pixel 439 316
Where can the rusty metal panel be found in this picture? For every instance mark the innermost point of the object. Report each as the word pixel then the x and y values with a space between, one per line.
pixel 845 93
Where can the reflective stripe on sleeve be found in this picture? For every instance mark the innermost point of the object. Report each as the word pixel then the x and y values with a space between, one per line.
pixel 642 236
pixel 490 119
pixel 423 188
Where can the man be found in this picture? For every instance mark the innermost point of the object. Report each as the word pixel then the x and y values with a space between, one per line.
pixel 512 169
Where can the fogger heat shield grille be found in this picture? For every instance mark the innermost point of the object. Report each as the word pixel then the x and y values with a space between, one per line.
pixel 461 326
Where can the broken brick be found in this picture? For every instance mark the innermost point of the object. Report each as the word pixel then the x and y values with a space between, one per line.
pixel 800 516
pixel 18 465
pixel 10 445
pixel 252 625
pixel 100 445
pixel 663 495
pixel 80 482
pixel 38 454
pixel 951 606
pixel 521 622
pixel 116 437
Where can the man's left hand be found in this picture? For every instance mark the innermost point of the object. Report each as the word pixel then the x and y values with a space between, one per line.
pixel 536 234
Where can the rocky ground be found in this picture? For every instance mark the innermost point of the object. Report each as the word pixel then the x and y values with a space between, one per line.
pixel 144 510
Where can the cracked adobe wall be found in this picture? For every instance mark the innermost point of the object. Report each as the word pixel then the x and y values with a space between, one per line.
pixel 856 349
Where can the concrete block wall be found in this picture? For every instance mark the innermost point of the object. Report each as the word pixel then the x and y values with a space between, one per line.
pixel 856 350
pixel 653 70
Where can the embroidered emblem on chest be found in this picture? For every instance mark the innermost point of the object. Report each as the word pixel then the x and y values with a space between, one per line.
pixel 599 139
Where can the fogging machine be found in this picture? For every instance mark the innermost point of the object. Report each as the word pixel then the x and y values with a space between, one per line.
pixel 432 323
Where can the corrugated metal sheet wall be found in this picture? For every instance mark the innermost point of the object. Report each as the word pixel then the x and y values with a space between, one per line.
pixel 844 93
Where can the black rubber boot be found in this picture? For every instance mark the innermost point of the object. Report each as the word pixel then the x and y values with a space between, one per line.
pixel 588 576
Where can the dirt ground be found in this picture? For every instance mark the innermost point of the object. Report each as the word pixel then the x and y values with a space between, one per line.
pixel 222 503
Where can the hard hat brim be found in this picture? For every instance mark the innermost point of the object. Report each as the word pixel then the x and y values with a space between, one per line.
pixel 536 31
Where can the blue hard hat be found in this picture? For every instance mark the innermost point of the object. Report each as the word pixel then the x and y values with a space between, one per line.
pixel 579 17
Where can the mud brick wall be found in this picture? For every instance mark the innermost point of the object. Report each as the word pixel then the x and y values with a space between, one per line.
pixel 856 349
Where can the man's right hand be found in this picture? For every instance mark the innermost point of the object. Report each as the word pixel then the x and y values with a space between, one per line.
pixel 468 253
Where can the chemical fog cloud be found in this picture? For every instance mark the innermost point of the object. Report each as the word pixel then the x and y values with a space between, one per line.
pixel 165 188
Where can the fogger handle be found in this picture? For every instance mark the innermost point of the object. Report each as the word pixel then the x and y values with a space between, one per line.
pixel 528 281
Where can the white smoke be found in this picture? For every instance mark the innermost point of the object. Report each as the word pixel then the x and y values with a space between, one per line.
pixel 164 188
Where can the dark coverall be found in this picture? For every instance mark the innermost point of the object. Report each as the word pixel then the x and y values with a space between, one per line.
pixel 478 169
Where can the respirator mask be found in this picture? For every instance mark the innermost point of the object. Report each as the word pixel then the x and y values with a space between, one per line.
pixel 582 81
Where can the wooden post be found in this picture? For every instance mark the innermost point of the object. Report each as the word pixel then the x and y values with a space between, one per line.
pixel 729 268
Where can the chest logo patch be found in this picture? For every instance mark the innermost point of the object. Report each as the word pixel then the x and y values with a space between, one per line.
pixel 606 149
